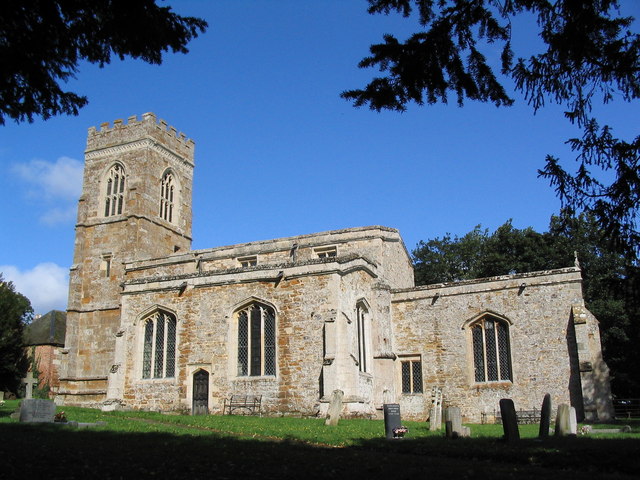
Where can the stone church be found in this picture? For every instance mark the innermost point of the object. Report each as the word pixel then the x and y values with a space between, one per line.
pixel 152 324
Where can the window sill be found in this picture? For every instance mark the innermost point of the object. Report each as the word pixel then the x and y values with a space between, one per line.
pixel 503 384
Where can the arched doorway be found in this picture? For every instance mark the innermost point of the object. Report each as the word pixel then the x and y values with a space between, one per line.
pixel 200 404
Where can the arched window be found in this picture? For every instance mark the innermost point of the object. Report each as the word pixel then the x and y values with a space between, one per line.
pixel 363 337
pixel 159 351
pixel 166 197
pixel 114 191
pixel 491 350
pixel 256 340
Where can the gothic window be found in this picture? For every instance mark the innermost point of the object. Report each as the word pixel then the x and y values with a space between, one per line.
pixel 411 374
pixel 114 192
pixel 159 350
pixel 167 192
pixel 256 340
pixel 491 350
pixel 363 337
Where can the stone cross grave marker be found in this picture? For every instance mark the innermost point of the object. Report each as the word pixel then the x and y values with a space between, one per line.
pixel 34 410
pixel 335 408
pixel 391 419
pixel 562 420
pixel 509 420
pixel 29 382
pixel 545 417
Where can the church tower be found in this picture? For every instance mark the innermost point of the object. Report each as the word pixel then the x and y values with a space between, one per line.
pixel 135 204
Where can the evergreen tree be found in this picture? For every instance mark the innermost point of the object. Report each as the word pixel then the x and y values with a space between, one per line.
pixel 15 312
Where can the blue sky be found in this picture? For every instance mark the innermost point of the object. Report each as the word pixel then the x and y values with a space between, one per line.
pixel 278 152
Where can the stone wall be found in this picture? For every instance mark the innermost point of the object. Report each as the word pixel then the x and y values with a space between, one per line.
pixel 433 322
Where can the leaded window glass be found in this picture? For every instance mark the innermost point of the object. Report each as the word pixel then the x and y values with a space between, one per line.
pixel 362 334
pixel 256 341
pixel 491 350
pixel 159 349
pixel 114 193
pixel 411 376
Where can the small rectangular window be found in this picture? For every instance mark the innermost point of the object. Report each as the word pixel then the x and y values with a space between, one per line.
pixel 105 265
pixel 248 261
pixel 326 252
pixel 411 375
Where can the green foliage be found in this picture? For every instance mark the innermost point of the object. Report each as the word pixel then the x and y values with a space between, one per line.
pixel 43 41
pixel 588 54
pixel 611 281
pixel 15 312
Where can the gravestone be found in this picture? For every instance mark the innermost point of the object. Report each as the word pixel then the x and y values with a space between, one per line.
pixel 453 422
pixel 562 420
pixel 545 417
pixel 391 419
pixel 573 422
pixel 435 414
pixel 29 382
pixel 36 410
pixel 335 408
pixel 509 420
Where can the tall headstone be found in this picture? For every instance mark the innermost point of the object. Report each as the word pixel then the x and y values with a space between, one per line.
pixel 435 414
pixel 545 417
pixel 33 410
pixel 563 426
pixel 391 419
pixel 335 408
pixel 29 382
pixel 509 420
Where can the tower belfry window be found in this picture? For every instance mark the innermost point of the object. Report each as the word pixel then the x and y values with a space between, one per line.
pixel 167 197
pixel 114 195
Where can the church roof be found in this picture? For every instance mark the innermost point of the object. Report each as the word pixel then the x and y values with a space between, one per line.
pixel 49 329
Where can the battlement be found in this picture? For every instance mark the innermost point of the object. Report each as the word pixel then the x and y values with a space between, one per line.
pixel 148 127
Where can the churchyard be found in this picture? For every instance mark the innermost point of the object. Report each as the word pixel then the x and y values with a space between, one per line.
pixel 148 444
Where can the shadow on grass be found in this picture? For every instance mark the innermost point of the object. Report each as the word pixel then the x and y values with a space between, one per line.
pixel 53 451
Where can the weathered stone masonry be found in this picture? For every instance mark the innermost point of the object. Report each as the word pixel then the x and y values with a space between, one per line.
pixel 155 325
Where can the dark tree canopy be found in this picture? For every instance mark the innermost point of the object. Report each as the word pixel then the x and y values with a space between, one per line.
pixel 589 55
pixel 43 41
pixel 611 283
pixel 15 312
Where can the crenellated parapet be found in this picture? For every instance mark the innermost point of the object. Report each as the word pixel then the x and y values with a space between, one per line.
pixel 148 127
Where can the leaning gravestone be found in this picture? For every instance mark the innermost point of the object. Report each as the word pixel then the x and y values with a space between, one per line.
pixel 335 408
pixel 391 419
pixel 509 420
pixel 34 410
pixel 563 426
pixel 545 417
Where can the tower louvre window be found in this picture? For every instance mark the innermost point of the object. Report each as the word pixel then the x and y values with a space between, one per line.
pixel 167 192
pixel 114 193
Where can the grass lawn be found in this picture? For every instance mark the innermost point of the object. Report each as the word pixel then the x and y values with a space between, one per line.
pixel 153 445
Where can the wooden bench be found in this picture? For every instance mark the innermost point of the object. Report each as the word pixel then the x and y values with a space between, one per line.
pixel 626 407
pixel 247 404
pixel 523 416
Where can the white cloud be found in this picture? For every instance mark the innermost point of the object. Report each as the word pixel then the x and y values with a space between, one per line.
pixel 57 216
pixel 58 183
pixel 46 285
pixel 61 179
